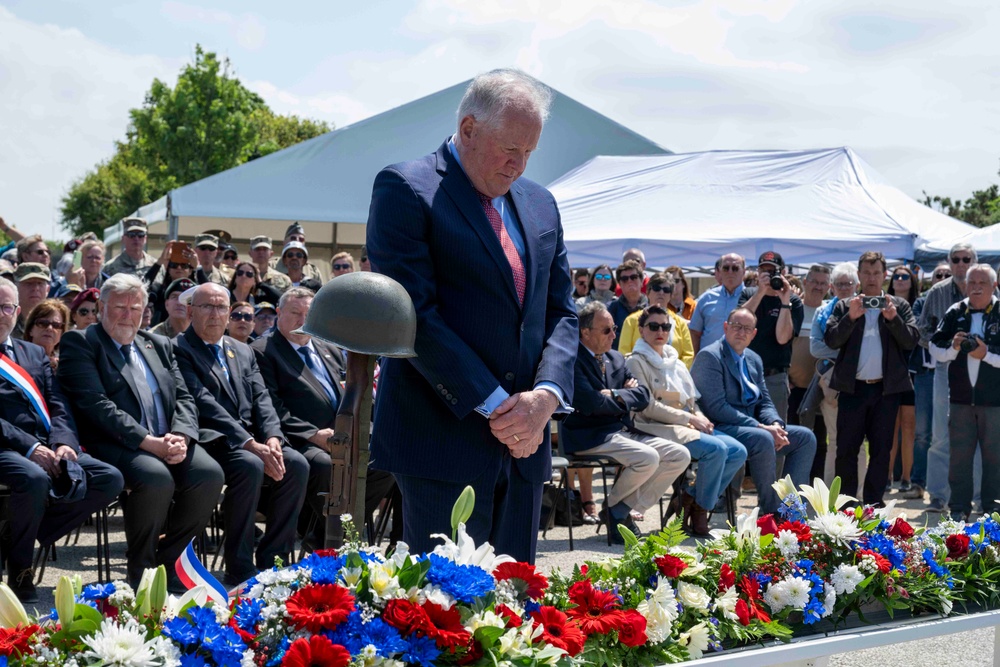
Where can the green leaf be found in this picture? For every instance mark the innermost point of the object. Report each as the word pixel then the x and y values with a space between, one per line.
pixel 462 509
pixel 489 635
pixel 86 612
pixel 834 492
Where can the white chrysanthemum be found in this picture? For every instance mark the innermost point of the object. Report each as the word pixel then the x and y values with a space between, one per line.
pixel 247 660
pixel 123 596
pixel 660 611
pixel 787 543
pixel 693 596
pixel 696 640
pixel 120 645
pixel 726 603
pixel 345 517
pixel 166 651
pixel 798 592
pixel 839 527
pixel 829 599
pixel 845 578
pixel 267 577
pixel 278 593
pixel 776 595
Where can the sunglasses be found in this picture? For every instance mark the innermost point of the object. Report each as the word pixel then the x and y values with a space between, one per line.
pixel 177 265
pixel 230 256
pixel 962 260
pixel 942 276
pixel 625 279
pixel 341 267
pixel 42 251
pixel 244 274
pixel 241 317
pixel 295 255
pixel 602 276
pixel 48 324
pixel 900 276
pixel 656 326
pixel 136 235
pixel 731 268
pixel 86 311
pixel 207 248
pixel 609 330
pixel 669 289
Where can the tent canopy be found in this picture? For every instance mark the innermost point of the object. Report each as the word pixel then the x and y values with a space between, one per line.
pixel 822 205
pixel 986 241
pixel 329 178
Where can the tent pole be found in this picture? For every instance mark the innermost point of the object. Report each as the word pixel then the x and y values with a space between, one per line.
pixel 172 222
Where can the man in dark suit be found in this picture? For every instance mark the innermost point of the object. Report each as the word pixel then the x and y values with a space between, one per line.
pixel 730 377
pixel 481 253
pixel 38 435
pixel 135 413
pixel 303 375
pixel 604 397
pixel 242 432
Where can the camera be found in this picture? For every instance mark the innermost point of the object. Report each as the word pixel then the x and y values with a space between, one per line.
pixel 777 284
pixel 970 343
pixel 873 302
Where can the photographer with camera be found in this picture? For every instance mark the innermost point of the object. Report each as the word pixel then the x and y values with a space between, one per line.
pixel 969 335
pixel 779 318
pixel 874 334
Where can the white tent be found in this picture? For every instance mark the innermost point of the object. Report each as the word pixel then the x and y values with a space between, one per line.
pixel 986 241
pixel 329 179
pixel 688 209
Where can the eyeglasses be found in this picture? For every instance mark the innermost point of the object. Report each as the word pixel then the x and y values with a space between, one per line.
pixel 240 273
pixel 340 267
pixel 86 311
pixel 8 309
pixel 844 285
pixel 135 235
pixel 265 316
pixel 582 281
pixel 212 308
pixel 625 279
pixel 41 251
pixel 900 276
pixel 607 330
pixel 731 268
pixel 656 326
pixel 230 257
pixel 207 248
pixel 241 317
pixel 668 289
pixel 295 255
pixel 737 328
pixel 962 260
pixel 296 237
pixel 48 324
pixel 942 276
pixel 177 265
pixel 602 276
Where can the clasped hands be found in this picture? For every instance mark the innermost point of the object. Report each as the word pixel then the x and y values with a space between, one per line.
pixel 520 421
pixel 171 447
pixel 49 460
pixel 270 453
pixel 777 432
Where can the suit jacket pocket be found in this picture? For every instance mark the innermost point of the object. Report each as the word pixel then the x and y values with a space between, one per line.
pixel 547 239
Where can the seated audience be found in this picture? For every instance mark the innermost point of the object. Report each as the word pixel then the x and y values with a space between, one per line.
pixel 135 413
pixel 133 259
pixel 37 451
pixel 206 247
pixel 730 378
pixel 83 311
pixel 604 396
pixel 261 253
pixel 92 263
pixel 341 263
pixel 601 287
pixel 177 309
pixel 296 233
pixel 240 322
pixel 658 291
pixel 245 285
pixel 45 326
pixel 681 301
pixel 673 414
pixel 264 316
pixel 630 280
pixel 294 258
pixel 241 430
pixel 33 249
pixel 581 283
pixel 33 281
pixel 163 273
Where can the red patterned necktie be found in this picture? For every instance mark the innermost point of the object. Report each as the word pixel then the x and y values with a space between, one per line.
pixel 516 265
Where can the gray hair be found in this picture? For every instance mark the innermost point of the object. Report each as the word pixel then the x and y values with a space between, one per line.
pixel 492 94
pixel 4 282
pixel 844 270
pixel 589 312
pixel 124 283
pixel 967 247
pixel 983 268
pixel 295 293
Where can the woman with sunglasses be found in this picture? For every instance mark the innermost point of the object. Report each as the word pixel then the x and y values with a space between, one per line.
pixel 245 285
pixel 658 291
pixel 83 310
pixel 602 287
pixel 163 273
pixel 673 414
pixel 903 283
pixel 240 321
pixel 45 325
pixel 681 300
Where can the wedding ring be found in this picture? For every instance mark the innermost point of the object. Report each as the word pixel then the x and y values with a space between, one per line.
pixel 516 439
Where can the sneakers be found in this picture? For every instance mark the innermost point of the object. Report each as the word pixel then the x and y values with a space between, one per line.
pixel 936 506
pixel 23 585
pixel 959 517
pixel 912 492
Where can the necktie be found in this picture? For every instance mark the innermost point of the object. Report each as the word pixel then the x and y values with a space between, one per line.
pixel 314 365
pixel 509 250
pixel 217 350
pixel 145 393
pixel 750 391
pixel 600 364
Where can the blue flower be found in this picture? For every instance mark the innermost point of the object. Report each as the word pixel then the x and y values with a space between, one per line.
pixel 383 637
pixel 97 591
pixel 530 607
pixel 792 508
pixel 885 546
pixel 193 660
pixel 462 582
pixel 202 618
pixel 181 632
pixel 225 646
pixel 248 613
pixel 937 569
pixel 279 652
pixel 421 651
pixel 325 569
pixel 348 633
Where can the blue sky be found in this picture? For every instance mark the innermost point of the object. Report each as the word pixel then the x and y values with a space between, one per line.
pixel 913 86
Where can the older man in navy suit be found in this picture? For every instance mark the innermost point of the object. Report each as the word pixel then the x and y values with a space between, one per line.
pixel 480 251
pixel 730 377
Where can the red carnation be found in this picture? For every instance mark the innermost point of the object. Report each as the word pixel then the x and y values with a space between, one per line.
pixel 559 630
pixel 727 578
pixel 318 608
pixel 316 651
pixel 513 620
pixel 900 529
pixel 14 641
pixel 597 611
pixel 670 566
pixel 801 530
pixel 958 546
pixel 325 553
pixel 632 628
pixel 405 616
pixel 767 525
pixel 881 563
pixel 445 626
pixel 525 577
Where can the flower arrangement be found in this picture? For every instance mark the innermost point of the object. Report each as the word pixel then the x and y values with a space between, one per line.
pixel 818 563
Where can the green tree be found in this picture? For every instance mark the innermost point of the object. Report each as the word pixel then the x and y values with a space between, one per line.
pixel 208 122
pixel 982 209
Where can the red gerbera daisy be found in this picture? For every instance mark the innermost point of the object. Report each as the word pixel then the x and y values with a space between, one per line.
pixel 445 626
pixel 318 608
pixel 316 651
pixel 559 630
pixel 801 530
pixel 597 611
pixel 527 580
pixel 14 641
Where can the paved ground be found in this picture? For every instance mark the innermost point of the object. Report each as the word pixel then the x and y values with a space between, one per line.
pixel 961 650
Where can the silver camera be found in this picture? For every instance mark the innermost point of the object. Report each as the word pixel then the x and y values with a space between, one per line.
pixel 873 302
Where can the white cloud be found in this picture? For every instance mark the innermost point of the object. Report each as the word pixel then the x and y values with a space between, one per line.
pixel 247 29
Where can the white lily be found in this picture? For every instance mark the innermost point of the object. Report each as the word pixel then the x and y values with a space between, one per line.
pixel 784 487
pixel 173 604
pixel 12 611
pixel 747 531
pixel 465 552
pixel 821 498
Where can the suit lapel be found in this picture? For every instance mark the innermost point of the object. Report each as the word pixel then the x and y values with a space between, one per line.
pixel 145 348
pixel 208 357
pixel 298 364
pixel 236 371
pixel 326 353
pixel 114 354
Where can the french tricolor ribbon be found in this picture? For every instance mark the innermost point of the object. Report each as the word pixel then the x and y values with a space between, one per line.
pixel 10 371
pixel 192 573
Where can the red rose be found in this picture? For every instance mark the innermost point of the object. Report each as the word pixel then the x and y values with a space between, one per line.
pixel 801 530
pixel 743 612
pixel 900 529
pixel 527 580
pixel 559 630
pixel 318 608
pixel 316 651
pixel 767 525
pixel 727 578
pixel 404 616
pixel 596 611
pixel 513 620
pixel 958 546
pixel 584 569
pixel 670 566
pixel 632 628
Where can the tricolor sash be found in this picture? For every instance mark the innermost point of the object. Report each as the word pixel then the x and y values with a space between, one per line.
pixel 13 373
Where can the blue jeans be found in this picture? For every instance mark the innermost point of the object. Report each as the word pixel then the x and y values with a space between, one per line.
pixel 719 457
pixel 798 457
pixel 923 391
